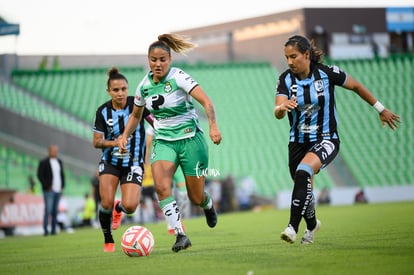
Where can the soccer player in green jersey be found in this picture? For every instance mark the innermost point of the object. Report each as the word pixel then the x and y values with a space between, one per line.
pixel 178 138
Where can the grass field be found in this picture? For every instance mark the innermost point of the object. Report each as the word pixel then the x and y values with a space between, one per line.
pixel 361 239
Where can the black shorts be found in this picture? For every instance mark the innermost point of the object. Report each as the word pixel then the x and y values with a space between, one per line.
pixel 131 174
pixel 326 150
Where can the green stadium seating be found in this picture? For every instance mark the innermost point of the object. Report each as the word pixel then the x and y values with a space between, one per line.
pixel 254 142
pixel 27 105
pixel 377 156
pixel 16 167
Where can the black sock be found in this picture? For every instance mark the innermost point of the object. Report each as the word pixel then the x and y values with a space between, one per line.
pixel 301 196
pixel 310 214
pixel 105 218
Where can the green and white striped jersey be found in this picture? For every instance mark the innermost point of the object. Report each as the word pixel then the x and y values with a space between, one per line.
pixel 171 104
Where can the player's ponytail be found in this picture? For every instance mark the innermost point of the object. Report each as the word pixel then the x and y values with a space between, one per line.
pixel 175 42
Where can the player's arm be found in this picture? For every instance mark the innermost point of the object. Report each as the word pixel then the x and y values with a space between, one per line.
pixel 283 105
pixel 131 126
pixel 100 142
pixel 386 116
pixel 198 94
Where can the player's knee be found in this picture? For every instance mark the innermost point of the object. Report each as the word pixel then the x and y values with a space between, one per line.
pixel 303 174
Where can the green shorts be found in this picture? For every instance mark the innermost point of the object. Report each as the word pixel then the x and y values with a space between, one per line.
pixel 190 153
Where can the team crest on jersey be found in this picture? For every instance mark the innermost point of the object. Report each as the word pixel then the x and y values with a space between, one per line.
pixel 167 87
pixel 319 86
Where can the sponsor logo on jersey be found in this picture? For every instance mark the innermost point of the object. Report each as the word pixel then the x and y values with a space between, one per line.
pixel 307 129
pixel 294 90
pixel 308 109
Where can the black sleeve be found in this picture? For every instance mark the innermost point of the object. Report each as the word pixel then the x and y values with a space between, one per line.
pixel 336 75
pixel 99 124
pixel 281 87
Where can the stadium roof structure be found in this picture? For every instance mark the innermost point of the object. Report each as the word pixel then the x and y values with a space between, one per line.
pixel 8 28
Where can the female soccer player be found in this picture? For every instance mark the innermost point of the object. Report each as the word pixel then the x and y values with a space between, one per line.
pixel 178 141
pixel 306 92
pixel 116 168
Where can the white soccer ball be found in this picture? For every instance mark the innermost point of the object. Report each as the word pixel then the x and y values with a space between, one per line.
pixel 137 241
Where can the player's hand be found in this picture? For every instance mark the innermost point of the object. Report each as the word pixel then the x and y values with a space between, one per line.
pixel 388 117
pixel 122 144
pixel 288 105
pixel 215 135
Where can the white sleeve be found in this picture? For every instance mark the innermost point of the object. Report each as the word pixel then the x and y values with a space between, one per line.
pixel 184 80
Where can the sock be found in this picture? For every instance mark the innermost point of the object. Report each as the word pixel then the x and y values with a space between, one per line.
pixel 310 214
pixel 120 208
pixel 105 218
pixel 208 203
pixel 301 194
pixel 172 214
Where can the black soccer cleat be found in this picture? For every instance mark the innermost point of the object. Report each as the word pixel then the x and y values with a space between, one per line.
pixel 211 216
pixel 181 243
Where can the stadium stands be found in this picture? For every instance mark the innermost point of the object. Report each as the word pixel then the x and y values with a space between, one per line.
pixel 377 156
pixel 254 143
pixel 16 167
pixel 32 107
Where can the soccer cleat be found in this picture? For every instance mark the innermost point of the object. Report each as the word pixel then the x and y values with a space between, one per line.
pixel 182 242
pixel 310 234
pixel 288 235
pixel 116 216
pixel 109 247
pixel 211 216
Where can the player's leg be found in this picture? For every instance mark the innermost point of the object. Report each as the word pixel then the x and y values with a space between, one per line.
pixel 130 182
pixel 48 203
pixel 182 197
pixel 108 183
pixel 194 162
pixel 300 177
pixel 326 151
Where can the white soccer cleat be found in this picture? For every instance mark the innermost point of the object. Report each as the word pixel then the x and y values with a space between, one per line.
pixel 289 234
pixel 310 234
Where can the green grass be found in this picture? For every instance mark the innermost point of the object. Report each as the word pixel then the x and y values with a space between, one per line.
pixel 361 239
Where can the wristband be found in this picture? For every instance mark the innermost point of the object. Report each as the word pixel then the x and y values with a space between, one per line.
pixel 379 107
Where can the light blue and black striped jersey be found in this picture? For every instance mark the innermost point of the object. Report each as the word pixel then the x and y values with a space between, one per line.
pixel 111 123
pixel 315 117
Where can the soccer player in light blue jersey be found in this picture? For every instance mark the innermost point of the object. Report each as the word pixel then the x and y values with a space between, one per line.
pixel 305 92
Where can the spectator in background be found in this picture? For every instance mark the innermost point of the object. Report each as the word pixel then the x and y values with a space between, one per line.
pixel 306 94
pixel 95 192
pixel 324 196
pixel 32 186
pixel 245 192
pixel 360 197
pixel 214 188
pixel 63 218
pixel 88 211
pixel 228 195
pixel 50 173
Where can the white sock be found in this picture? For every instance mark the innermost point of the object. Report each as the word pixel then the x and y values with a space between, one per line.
pixel 173 217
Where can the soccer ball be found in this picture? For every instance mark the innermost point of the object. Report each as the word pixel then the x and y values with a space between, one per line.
pixel 137 241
